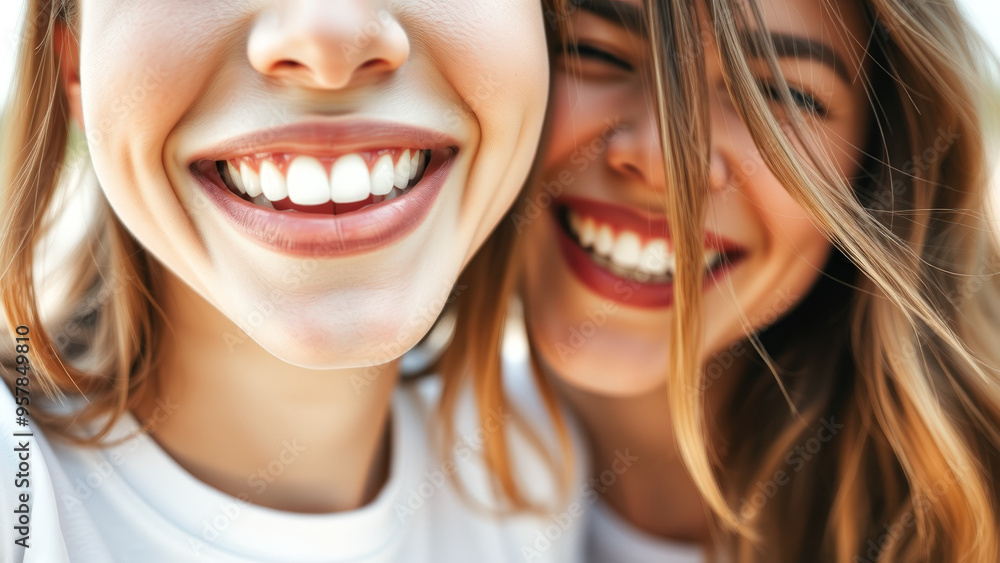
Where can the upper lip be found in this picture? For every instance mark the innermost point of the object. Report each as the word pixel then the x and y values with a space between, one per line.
pixel 330 138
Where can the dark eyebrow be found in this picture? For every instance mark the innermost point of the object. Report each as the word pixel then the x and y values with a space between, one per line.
pixel 632 19
pixel 620 13
pixel 796 46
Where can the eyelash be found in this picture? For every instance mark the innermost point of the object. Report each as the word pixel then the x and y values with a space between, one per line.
pixel 805 101
pixel 586 51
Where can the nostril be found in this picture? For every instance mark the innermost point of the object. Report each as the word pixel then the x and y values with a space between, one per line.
pixel 633 170
pixel 287 64
pixel 374 65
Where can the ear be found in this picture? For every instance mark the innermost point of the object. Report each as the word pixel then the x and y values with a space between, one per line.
pixel 68 52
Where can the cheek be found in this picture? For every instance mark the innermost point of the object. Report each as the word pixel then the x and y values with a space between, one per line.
pixel 580 113
pixel 548 288
pixel 791 241
pixel 776 206
pixel 141 66
pixel 493 57
pixel 498 65
pixel 139 74
pixel 563 119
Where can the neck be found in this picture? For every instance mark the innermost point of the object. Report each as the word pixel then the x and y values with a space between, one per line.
pixel 252 426
pixel 632 437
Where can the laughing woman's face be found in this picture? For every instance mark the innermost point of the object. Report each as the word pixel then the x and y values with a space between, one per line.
pixel 319 172
pixel 599 267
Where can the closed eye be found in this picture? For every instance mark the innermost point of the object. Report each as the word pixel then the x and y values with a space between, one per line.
pixel 589 52
pixel 805 101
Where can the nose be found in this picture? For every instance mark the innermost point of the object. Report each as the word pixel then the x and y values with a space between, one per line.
pixel 634 149
pixel 718 170
pixel 732 147
pixel 320 44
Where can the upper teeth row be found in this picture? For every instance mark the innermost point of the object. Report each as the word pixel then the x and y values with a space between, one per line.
pixel 625 248
pixel 306 182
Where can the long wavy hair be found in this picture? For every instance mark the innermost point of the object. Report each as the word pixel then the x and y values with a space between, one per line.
pixel 896 348
pixel 98 336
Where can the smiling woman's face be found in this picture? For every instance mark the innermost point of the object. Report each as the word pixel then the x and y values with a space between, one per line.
pixel 597 286
pixel 319 172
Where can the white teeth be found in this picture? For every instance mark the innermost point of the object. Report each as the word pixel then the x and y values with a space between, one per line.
pixel 234 175
pixel 383 175
pixel 626 250
pixel 272 182
pixel 350 180
pixel 605 241
pixel 711 258
pixel 574 222
pixel 251 181
pixel 307 182
pixel 655 258
pixel 263 201
pixel 401 175
pixel 414 163
pixel 588 232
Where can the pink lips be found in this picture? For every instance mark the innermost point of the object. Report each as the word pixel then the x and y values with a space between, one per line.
pixel 304 234
pixel 617 288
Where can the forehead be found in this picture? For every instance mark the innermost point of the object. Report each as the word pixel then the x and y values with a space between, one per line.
pixel 840 24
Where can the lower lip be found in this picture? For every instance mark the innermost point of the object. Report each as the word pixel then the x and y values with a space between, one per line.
pixel 311 235
pixel 623 290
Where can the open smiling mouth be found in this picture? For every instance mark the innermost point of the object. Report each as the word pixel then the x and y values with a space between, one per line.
pixel 326 190
pixel 626 256
pixel 324 185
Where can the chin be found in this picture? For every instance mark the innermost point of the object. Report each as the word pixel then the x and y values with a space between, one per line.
pixel 593 368
pixel 626 387
pixel 304 337
pixel 328 351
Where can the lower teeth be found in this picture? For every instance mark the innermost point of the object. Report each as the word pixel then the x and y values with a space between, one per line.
pixel 262 201
pixel 266 203
pixel 643 276
pixel 630 273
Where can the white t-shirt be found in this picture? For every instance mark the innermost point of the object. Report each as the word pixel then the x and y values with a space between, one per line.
pixel 133 502
pixel 612 539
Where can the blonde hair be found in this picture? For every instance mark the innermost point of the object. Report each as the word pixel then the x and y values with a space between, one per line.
pixel 473 351
pixel 907 355
pixel 112 332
